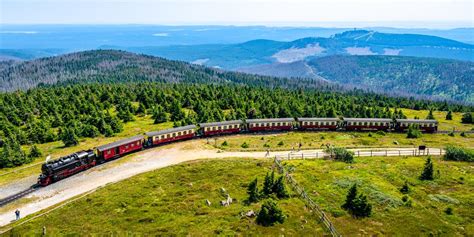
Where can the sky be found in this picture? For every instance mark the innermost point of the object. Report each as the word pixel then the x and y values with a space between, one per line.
pixel 356 13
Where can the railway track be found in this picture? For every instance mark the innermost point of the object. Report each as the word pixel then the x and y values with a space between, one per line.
pixel 18 195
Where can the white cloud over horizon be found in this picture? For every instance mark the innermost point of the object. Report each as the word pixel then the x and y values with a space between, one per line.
pixel 404 13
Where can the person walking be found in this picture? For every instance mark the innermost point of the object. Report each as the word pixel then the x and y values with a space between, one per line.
pixel 17 214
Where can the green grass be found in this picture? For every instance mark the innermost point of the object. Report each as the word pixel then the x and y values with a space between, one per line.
pixel 317 140
pixel 441 117
pixel 171 201
pixel 57 149
pixel 380 179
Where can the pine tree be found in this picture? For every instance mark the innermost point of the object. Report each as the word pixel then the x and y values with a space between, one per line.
pixel 430 115
pixel 268 184
pixel 413 132
pixel 69 137
pixel 159 115
pixel 350 197
pixel 362 208
pixel 252 191
pixel 270 213
pixel 357 206
pixel 279 188
pixel 449 115
pixel 35 152
pixel 428 170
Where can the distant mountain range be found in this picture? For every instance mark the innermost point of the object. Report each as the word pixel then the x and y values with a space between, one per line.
pixel 357 42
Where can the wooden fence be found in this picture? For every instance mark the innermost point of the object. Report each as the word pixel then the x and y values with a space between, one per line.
pixel 308 201
pixel 365 153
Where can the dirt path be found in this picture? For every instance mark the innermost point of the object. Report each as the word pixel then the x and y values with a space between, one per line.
pixel 113 172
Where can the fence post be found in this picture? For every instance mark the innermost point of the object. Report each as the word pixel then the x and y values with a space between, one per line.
pixel 428 151
pixel 386 154
pixel 370 153
pixel 358 153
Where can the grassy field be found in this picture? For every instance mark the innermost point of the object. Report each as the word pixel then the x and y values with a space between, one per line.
pixel 447 125
pixel 317 140
pixel 380 179
pixel 171 201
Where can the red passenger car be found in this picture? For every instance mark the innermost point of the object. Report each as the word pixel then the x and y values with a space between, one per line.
pixel 277 124
pixel 218 128
pixel 425 125
pixel 367 124
pixel 172 134
pixel 119 148
pixel 318 123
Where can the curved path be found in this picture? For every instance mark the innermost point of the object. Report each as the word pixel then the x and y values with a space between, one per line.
pixel 124 168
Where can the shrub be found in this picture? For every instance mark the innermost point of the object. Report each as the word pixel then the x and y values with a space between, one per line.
pixel 405 188
pixel 459 154
pixel 381 133
pixel 370 134
pixel 266 145
pixel 244 145
pixel 463 134
pixel 268 184
pixel 281 143
pixel 413 132
pixel 341 154
pixel 449 211
pixel 279 188
pixel 270 213
pixel 225 143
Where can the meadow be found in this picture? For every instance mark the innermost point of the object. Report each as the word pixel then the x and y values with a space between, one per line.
pixel 380 179
pixel 172 201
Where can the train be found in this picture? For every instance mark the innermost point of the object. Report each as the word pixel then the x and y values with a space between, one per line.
pixel 55 170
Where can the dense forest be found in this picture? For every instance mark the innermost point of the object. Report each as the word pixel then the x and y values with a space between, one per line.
pixel 438 78
pixel 88 110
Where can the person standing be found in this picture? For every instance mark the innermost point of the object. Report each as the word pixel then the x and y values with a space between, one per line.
pixel 17 214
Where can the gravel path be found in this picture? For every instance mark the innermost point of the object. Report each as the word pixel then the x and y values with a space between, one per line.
pixel 113 172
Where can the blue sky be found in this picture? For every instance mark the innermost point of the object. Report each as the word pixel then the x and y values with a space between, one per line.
pixel 401 13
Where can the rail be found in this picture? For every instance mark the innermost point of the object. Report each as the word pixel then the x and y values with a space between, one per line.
pixel 309 202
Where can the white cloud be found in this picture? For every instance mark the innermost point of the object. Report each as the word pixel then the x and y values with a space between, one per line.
pixel 161 34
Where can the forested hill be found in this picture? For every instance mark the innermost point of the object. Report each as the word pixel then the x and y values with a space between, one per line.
pixel 121 66
pixel 442 78
pixel 425 77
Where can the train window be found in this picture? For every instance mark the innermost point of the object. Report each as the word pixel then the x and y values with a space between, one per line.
pixel 185 132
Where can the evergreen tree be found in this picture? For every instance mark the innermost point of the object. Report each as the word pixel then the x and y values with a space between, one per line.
pixel 268 184
pixel 279 188
pixel 141 109
pixel 35 152
pixel 159 115
pixel 428 170
pixel 350 197
pixel 357 205
pixel 430 115
pixel 467 118
pixel 449 115
pixel 252 191
pixel 413 132
pixel 69 137
pixel 270 214
pixel 362 208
